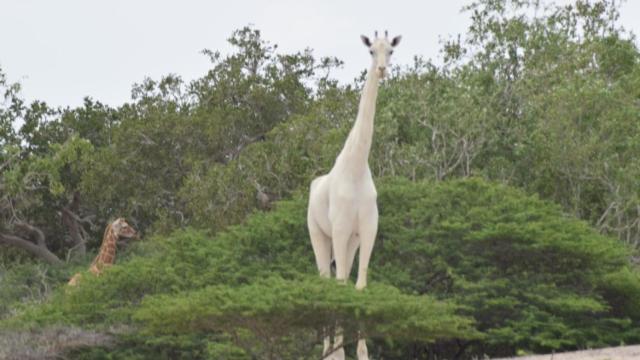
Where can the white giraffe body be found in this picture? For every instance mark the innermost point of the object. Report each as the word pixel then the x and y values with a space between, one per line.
pixel 343 211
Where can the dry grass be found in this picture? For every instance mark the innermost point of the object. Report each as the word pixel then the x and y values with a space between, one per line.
pixel 48 343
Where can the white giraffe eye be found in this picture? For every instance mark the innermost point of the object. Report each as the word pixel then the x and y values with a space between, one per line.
pixel 371 52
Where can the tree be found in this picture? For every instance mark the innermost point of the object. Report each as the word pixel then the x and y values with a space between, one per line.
pixel 11 108
pixel 37 192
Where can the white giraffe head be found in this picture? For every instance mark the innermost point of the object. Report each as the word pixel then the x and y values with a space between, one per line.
pixel 381 50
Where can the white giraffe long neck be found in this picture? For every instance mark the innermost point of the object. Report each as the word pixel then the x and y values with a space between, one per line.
pixel 358 145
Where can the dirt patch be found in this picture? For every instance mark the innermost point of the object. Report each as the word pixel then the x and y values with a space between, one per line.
pixel 48 343
pixel 613 353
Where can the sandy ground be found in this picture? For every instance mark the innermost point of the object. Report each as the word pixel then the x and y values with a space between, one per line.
pixel 614 353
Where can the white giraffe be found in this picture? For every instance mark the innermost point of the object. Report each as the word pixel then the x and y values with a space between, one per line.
pixel 343 213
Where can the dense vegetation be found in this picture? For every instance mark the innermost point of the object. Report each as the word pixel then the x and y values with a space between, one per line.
pixel 510 205
pixel 476 267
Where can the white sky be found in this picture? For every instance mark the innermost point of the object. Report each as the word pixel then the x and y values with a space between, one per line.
pixel 61 51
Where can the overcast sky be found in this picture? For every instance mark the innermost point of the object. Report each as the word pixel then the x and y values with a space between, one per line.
pixel 61 51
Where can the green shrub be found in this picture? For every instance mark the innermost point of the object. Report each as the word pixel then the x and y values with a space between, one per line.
pixel 277 318
pixel 530 277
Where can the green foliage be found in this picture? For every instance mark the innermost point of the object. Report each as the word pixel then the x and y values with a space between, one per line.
pixel 174 132
pixel 529 276
pixel 546 103
pixel 48 172
pixel 562 87
pixel 26 284
pixel 291 153
pixel 10 108
pixel 275 316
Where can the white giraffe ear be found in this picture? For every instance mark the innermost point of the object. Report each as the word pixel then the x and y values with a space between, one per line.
pixel 396 40
pixel 365 40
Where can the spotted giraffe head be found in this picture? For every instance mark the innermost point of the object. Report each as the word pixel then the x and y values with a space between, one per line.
pixel 123 230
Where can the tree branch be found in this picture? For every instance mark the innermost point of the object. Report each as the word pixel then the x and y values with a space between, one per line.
pixel 40 251
pixel 73 222
pixel 34 230
pixel 70 221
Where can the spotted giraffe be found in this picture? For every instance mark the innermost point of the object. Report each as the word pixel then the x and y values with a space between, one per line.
pixel 107 255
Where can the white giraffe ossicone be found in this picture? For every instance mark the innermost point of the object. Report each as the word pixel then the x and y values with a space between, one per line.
pixel 343 212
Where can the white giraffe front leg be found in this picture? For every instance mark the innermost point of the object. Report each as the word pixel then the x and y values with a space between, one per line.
pixel 342 221
pixel 340 241
pixel 352 247
pixel 363 352
pixel 321 248
pixel 368 228
pixel 337 344
pixel 327 345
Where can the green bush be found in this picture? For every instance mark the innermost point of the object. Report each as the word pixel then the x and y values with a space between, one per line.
pixel 26 283
pixel 277 318
pixel 530 277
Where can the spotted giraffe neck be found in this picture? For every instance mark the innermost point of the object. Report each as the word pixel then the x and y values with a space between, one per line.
pixel 107 254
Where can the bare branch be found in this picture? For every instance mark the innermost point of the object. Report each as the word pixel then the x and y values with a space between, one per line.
pixel 605 214
pixel 74 228
pixel 34 230
pixel 40 251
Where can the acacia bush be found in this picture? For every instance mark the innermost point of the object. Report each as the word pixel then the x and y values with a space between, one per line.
pixel 533 277
pixel 518 275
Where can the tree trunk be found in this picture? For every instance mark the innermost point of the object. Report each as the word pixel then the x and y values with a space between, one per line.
pixel 70 220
